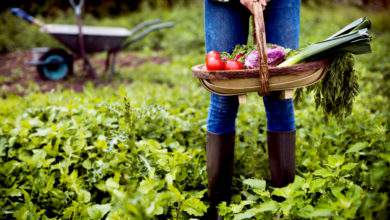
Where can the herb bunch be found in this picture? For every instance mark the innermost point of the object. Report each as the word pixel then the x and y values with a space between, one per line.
pixel 336 92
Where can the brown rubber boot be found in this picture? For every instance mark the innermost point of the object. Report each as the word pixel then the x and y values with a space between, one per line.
pixel 220 157
pixel 281 152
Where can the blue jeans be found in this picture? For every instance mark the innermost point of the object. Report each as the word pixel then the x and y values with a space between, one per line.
pixel 226 25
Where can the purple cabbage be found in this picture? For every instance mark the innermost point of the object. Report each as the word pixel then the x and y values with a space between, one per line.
pixel 275 55
pixel 252 60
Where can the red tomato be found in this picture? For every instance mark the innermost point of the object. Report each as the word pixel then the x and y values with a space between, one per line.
pixel 213 63
pixel 214 54
pixel 234 65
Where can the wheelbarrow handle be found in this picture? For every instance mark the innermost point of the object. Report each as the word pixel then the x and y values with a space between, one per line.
pixel 147 31
pixel 23 15
pixel 144 24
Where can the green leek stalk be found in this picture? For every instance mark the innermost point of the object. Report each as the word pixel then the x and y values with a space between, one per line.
pixel 353 38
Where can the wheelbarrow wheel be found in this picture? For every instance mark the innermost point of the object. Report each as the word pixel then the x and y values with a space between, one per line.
pixel 56 64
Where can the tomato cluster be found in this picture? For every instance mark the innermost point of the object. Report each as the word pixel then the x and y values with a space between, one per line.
pixel 215 62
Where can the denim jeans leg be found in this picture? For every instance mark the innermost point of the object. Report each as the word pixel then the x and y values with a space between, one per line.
pixel 282 28
pixel 226 25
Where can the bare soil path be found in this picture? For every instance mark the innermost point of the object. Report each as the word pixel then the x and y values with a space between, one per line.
pixel 16 76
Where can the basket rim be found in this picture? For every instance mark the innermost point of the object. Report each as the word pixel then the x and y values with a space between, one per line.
pixel 199 71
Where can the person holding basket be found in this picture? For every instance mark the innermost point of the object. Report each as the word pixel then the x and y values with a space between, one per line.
pixel 227 25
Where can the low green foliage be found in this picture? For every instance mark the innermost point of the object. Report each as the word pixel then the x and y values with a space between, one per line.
pixel 85 160
pixel 15 34
pixel 137 151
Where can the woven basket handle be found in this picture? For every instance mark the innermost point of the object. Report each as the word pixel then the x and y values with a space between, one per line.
pixel 259 34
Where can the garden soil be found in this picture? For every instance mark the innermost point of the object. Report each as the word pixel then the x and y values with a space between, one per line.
pixel 16 76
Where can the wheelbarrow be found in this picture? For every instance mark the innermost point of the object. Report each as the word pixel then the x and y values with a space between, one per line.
pixel 80 40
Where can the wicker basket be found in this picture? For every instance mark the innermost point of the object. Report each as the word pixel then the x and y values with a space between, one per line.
pixel 263 79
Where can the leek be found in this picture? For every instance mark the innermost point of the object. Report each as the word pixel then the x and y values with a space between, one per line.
pixel 353 38
pixel 358 24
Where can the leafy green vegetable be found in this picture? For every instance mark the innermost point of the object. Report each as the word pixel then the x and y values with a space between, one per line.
pixel 336 92
pixel 240 52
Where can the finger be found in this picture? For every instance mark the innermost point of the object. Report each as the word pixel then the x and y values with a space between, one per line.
pixel 245 3
pixel 263 3
pixel 248 5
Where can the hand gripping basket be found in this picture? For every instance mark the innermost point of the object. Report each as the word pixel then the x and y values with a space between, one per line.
pixel 263 79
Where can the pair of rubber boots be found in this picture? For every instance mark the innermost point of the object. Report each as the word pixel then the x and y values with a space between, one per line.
pixel 220 158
